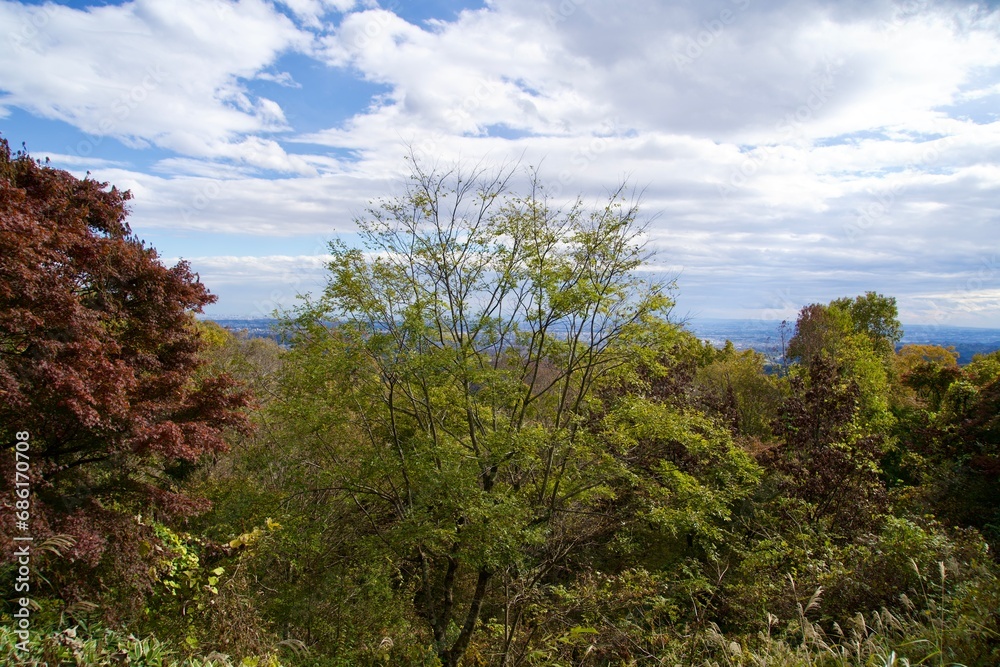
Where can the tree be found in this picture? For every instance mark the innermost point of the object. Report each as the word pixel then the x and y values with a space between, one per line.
pixel 928 370
pixel 819 329
pixel 822 328
pixel 984 369
pixel 736 386
pixel 472 335
pixel 875 317
pixel 99 362
pixel 825 459
pixel 965 482
pixel 858 336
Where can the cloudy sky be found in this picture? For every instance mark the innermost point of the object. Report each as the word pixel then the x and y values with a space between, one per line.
pixel 790 152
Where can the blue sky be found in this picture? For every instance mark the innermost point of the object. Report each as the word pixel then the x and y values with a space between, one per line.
pixel 789 152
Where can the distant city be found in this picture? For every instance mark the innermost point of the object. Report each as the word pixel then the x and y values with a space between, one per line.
pixel 765 336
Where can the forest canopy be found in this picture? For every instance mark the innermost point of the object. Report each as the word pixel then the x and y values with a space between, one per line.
pixel 486 442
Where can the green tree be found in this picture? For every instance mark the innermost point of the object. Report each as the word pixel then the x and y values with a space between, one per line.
pixel 927 371
pixel 984 369
pixel 859 336
pixel 823 328
pixel 736 386
pixel 875 317
pixel 819 329
pixel 474 331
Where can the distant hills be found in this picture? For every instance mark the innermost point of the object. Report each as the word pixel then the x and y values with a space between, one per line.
pixel 765 336
pixel 762 335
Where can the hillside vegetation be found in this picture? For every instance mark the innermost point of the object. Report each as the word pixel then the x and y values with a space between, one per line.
pixel 503 452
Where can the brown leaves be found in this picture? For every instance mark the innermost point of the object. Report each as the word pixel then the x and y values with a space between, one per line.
pixel 99 356
pixel 824 459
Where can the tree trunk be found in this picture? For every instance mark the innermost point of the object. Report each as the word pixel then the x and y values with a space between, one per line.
pixel 452 656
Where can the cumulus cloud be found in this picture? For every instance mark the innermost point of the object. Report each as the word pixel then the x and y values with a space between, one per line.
pixel 169 75
pixel 257 286
pixel 220 199
pixel 730 70
pixel 791 152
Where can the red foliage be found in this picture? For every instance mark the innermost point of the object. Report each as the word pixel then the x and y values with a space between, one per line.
pixel 99 358
pixel 819 461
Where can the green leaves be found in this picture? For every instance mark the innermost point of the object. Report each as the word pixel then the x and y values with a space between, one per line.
pixel 458 382
pixel 689 471
pixel 822 328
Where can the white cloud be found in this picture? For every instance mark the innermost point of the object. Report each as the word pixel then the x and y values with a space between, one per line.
pixel 168 74
pixel 795 151
pixel 258 285
pixel 222 200
pixel 75 161
pixel 281 78
pixel 310 12
pixel 265 269
pixel 731 70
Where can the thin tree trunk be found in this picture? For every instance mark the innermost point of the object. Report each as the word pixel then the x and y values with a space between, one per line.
pixel 452 656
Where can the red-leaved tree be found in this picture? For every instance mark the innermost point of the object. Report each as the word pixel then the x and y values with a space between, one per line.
pixel 99 363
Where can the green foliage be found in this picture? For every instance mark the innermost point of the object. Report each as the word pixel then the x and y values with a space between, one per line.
pixel 875 317
pixel 686 475
pixel 910 356
pixel 736 386
pixel 473 340
pixel 96 647
pixel 958 399
pixel 180 573
pixel 486 444
pixel 984 369
pixel 254 362
pixel 869 368
pixel 598 618
pixel 821 329
pixel 579 505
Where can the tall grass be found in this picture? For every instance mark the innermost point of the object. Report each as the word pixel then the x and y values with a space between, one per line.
pixel 938 632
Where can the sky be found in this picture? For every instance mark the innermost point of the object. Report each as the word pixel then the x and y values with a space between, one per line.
pixel 788 152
